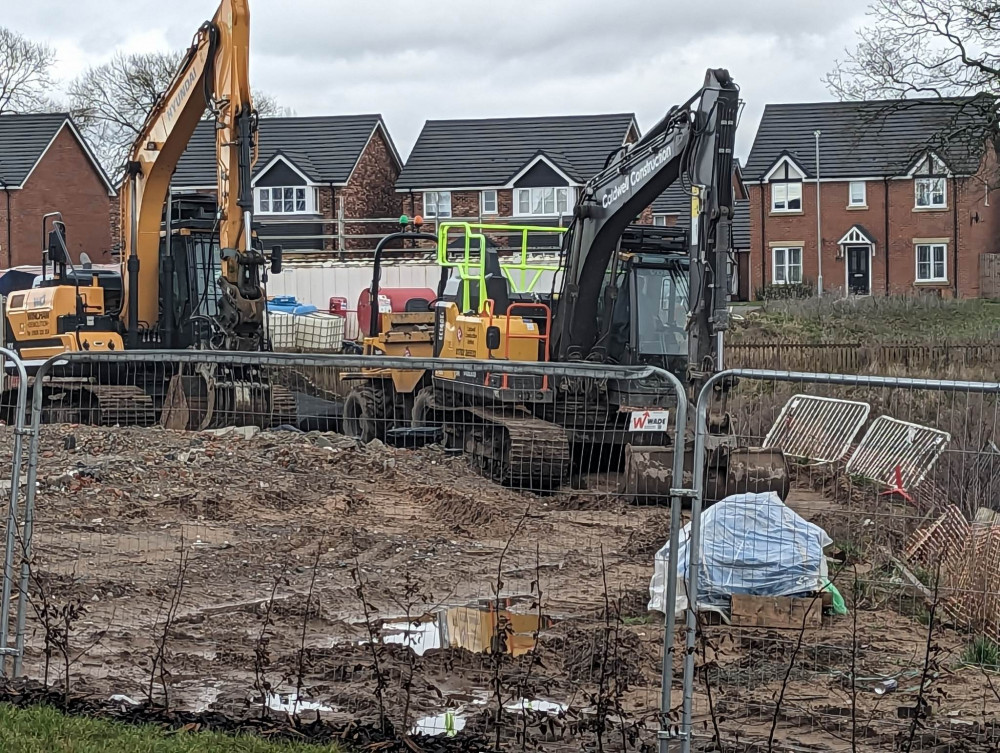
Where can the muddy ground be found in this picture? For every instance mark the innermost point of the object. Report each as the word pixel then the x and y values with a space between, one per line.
pixel 278 560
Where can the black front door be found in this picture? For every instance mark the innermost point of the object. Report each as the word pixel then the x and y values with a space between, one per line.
pixel 858 270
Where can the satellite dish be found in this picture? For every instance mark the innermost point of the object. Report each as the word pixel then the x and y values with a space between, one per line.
pixel 85 261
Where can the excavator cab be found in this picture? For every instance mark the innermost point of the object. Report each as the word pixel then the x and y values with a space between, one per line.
pixel 189 296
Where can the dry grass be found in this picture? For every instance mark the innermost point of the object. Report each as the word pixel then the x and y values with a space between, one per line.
pixel 922 319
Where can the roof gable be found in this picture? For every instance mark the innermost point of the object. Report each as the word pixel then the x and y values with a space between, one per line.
pixel 25 139
pixel 299 166
pixel 325 148
pixel 785 168
pixel 857 235
pixel 869 139
pixel 928 163
pixel 540 164
pixel 490 152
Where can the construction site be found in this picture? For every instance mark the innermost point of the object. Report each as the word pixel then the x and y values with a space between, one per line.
pixel 544 438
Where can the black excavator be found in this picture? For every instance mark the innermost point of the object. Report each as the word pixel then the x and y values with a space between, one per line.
pixel 628 294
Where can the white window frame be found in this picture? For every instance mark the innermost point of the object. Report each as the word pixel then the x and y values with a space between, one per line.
pixel 863 202
pixel 785 265
pixel 660 220
pixel 303 199
pixel 787 198
pixel 433 199
pixel 932 246
pixel 536 194
pixel 483 203
pixel 917 182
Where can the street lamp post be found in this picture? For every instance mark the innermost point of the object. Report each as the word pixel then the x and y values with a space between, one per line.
pixel 819 226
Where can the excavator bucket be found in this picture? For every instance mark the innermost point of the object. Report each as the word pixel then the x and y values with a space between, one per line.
pixel 649 473
pixel 188 403
pixel 215 399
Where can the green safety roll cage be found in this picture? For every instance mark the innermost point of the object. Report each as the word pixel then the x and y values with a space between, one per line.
pixel 473 269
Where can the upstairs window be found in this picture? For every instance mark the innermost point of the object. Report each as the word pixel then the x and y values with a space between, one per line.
pixel 931 193
pixel 542 202
pixel 488 202
pixel 786 186
pixel 930 185
pixel 437 204
pixel 660 220
pixel 786 197
pixel 857 194
pixel 286 200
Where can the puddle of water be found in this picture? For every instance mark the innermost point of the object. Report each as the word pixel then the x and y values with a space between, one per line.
pixel 450 723
pixel 471 628
pixel 290 703
pixel 536 704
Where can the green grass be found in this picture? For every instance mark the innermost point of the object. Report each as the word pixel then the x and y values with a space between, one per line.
pixel 42 729
pixel 640 619
pixel 871 320
pixel 982 652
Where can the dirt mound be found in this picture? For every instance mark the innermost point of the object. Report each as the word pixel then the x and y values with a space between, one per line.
pixel 458 510
pixel 586 655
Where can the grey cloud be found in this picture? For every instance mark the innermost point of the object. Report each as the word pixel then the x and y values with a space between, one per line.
pixel 424 59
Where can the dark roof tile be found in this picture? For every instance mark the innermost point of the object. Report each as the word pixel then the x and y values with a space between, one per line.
pixel 489 152
pixel 328 147
pixel 23 140
pixel 869 139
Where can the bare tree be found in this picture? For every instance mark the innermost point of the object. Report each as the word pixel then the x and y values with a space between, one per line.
pixel 25 68
pixel 111 101
pixel 940 48
pixel 944 49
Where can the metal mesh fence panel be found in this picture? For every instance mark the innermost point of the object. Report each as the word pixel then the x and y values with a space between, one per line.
pixel 856 614
pixel 447 548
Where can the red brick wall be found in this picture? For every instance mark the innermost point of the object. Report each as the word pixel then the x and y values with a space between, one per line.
pixel 370 193
pixel 66 181
pixel 966 197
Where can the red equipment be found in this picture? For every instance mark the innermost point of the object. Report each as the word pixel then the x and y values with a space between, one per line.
pixel 338 306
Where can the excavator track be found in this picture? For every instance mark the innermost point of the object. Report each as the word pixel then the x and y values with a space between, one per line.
pixel 191 406
pixel 516 449
pixel 121 405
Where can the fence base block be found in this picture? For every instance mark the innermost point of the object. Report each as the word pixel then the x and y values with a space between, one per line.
pixel 777 611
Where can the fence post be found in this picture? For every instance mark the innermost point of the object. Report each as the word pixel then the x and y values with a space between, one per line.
pixel 29 511
pixel 694 556
pixel 15 490
pixel 677 494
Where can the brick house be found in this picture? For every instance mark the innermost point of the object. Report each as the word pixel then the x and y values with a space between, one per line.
pixel 313 175
pixel 508 170
pixel 673 209
pixel 904 203
pixel 46 166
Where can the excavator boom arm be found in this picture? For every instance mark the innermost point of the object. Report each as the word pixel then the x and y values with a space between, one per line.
pixel 695 138
pixel 213 74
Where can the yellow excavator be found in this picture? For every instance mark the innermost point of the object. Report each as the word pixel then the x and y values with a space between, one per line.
pixel 192 269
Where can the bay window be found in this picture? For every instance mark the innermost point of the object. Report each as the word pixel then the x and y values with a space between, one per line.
pixel 286 200
pixel 543 202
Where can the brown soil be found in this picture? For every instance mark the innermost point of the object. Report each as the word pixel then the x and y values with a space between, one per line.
pixel 120 514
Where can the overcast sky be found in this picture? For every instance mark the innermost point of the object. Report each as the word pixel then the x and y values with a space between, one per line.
pixel 414 60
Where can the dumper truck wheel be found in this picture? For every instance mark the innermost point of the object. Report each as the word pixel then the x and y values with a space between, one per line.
pixel 366 412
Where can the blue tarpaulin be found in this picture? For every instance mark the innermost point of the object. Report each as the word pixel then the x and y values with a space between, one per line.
pixel 751 544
